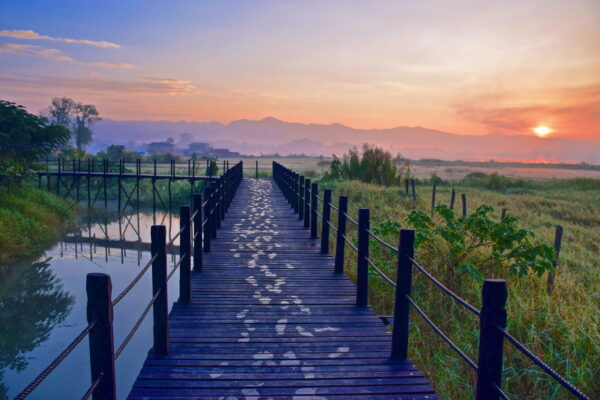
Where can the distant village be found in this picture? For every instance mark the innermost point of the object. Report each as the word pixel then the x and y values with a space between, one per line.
pixel 195 149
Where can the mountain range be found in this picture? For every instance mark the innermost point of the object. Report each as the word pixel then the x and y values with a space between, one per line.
pixel 270 135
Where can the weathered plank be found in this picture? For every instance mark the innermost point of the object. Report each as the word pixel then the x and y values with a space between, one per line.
pixel 269 319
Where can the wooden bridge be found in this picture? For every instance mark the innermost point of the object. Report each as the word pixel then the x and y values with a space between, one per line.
pixel 265 312
pixel 269 318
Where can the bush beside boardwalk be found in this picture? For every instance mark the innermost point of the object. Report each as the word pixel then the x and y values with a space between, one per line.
pixel 561 327
pixel 31 219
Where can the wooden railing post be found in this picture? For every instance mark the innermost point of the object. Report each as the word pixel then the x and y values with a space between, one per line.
pixel 198 261
pixel 215 223
pixel 362 265
pixel 256 169
pixel 325 221
pixel 101 339
pixel 340 245
pixel 452 197
pixel 403 288
pixel 301 198
pixel 185 253
pixel 464 204
pixel 491 341
pixel 295 186
pixel 314 205
pixel 160 310
pixel 207 231
pixel 306 204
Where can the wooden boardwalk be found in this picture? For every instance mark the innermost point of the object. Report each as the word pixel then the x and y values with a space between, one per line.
pixel 270 320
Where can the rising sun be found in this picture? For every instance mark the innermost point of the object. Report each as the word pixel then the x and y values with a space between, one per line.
pixel 542 131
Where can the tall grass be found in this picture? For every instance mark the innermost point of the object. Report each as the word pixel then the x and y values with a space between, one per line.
pixel 562 327
pixel 30 219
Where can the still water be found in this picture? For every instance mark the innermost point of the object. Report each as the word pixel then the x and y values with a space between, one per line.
pixel 43 306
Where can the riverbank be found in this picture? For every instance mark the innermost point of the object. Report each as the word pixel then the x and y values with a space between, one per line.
pixel 30 219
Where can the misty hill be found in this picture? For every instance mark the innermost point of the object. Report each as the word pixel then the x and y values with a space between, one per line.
pixel 271 135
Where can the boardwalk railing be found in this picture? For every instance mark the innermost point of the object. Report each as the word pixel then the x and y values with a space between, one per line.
pixel 304 199
pixel 198 228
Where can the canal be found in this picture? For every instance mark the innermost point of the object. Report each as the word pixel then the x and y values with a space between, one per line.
pixel 43 304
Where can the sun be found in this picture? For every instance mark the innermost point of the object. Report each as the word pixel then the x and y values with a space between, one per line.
pixel 542 131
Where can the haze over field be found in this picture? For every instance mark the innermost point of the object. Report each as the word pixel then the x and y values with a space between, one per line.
pixel 270 135
pixel 522 78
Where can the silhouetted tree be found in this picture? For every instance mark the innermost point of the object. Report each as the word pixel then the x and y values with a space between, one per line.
pixel 24 140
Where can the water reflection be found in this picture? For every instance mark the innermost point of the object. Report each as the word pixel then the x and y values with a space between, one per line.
pixel 42 304
pixel 32 302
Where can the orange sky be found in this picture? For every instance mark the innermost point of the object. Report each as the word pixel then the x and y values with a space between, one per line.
pixel 462 66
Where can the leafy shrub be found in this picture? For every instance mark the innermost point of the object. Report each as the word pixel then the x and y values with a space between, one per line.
pixel 478 245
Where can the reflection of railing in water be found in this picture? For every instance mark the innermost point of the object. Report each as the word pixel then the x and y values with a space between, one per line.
pixel 205 220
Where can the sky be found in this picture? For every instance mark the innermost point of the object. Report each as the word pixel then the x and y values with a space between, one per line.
pixel 468 67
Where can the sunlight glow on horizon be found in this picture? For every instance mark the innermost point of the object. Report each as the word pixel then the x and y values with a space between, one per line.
pixel 542 131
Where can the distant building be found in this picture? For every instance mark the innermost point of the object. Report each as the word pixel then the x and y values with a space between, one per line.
pixel 161 148
pixel 199 148
pixel 223 153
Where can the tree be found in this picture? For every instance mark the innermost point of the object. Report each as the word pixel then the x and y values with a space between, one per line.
pixel 24 140
pixel 60 111
pixel 85 115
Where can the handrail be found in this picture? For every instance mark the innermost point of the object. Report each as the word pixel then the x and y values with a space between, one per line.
pixel 44 374
pixel 441 334
pixel 134 281
pixel 449 292
pixel 380 272
pixel 94 385
pixel 349 218
pixel 349 243
pixel 377 238
pixel 136 326
pixel 525 351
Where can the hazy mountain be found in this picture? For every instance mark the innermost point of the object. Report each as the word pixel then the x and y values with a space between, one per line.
pixel 271 135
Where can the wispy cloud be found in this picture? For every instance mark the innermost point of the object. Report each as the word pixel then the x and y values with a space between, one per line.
pixel 176 86
pixel 31 35
pixel 55 54
pixel 145 86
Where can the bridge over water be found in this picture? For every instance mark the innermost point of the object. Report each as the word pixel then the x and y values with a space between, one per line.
pixel 266 312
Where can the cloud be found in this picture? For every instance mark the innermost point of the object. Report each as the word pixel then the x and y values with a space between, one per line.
pixel 145 86
pixel 35 51
pixel 54 54
pixel 31 35
pixel 177 86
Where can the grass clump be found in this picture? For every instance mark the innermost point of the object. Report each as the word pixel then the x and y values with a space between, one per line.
pixel 30 218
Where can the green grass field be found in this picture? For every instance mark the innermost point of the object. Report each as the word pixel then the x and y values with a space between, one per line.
pixel 561 327
pixel 30 219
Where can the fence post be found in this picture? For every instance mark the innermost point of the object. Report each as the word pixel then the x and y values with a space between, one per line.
pixel 503 214
pixel 403 287
pixel 464 204
pixel 314 204
pixel 325 221
pixel 557 242
pixel 307 203
pixel 207 231
pixel 491 341
pixel 185 254
pixel 452 197
pixel 160 310
pixel 256 169
pixel 198 232
pixel 101 341
pixel 433 199
pixel 222 195
pixel 362 270
pixel 414 190
pixel 340 245
pixel 216 220
pixel 301 198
